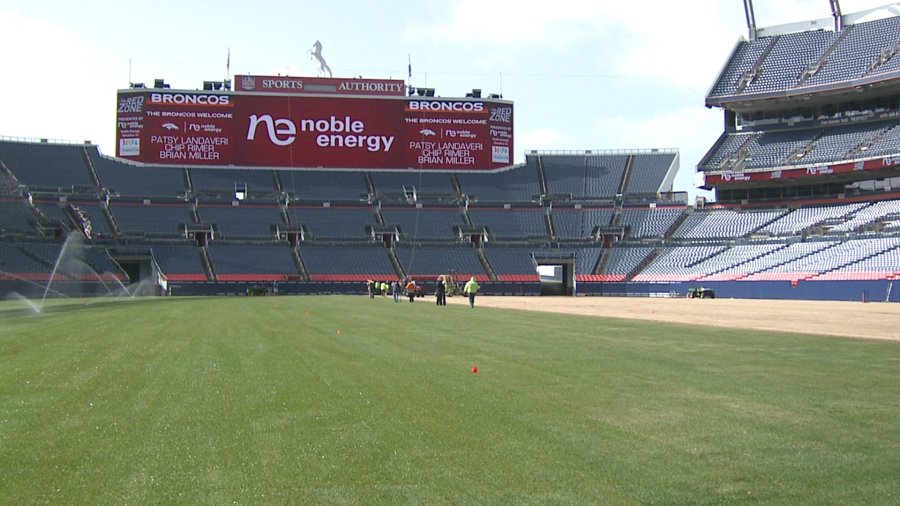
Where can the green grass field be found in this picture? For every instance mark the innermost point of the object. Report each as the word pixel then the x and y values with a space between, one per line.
pixel 339 399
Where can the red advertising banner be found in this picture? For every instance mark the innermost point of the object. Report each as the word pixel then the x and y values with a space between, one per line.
pixel 294 85
pixel 202 128
pixel 731 178
pixel 187 128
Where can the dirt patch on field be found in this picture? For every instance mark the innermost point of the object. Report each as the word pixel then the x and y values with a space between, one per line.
pixel 849 319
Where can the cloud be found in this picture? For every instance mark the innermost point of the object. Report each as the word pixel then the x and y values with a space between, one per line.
pixel 690 129
pixel 539 138
pixel 39 98
pixel 524 23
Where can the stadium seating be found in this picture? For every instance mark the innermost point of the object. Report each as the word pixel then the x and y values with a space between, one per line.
pixel 512 263
pixel 129 180
pixel 584 176
pixel 648 171
pixel 347 262
pixel 726 265
pixel 138 219
pixel 677 263
pixel 424 223
pixel 323 186
pixel 573 223
pixel 795 60
pixel 518 184
pixel 430 261
pixel 243 221
pixel 179 262
pixel 623 260
pixel 218 181
pixel 647 222
pixel 92 213
pixel 427 186
pixel 16 265
pixel 789 57
pixel 867 215
pixel 51 167
pixel 16 216
pixel 798 220
pixel 333 222
pixel 773 149
pixel 586 258
pixel 249 262
pixel 724 223
pixel 877 260
pixel 511 223
pixel 854 56
pixel 525 210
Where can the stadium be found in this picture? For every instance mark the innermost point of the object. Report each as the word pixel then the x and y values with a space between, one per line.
pixel 804 174
pixel 127 383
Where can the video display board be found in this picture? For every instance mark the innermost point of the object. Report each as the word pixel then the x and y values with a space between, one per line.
pixel 271 130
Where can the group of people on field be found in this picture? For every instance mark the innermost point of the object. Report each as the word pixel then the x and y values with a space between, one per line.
pixel 398 288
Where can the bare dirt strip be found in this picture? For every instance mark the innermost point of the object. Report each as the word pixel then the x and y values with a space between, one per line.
pixel 873 320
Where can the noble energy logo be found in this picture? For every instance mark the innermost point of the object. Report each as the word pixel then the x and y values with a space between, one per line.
pixel 333 132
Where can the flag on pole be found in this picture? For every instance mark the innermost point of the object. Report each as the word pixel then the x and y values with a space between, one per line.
pixel 228 63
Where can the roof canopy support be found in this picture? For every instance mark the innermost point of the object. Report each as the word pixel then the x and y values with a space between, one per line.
pixel 751 19
pixel 836 14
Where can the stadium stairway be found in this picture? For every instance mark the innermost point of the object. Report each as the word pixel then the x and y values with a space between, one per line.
pixel 814 68
pixel 90 166
pixel 301 265
pixel 207 264
pixel 487 265
pixel 644 263
pixel 392 256
pixel 753 73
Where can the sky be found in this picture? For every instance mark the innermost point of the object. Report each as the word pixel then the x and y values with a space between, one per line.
pixel 583 74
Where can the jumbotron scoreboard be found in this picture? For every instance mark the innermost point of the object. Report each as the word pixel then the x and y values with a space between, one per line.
pixel 304 122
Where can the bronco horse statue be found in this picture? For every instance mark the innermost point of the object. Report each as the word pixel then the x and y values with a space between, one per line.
pixel 316 54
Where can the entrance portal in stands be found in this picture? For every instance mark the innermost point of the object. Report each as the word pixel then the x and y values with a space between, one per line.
pixel 557 276
pixel 137 267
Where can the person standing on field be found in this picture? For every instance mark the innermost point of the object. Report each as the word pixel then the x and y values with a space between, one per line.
pixel 471 289
pixel 396 289
pixel 440 291
pixel 411 290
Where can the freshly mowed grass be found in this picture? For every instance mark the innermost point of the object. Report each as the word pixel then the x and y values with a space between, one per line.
pixel 338 399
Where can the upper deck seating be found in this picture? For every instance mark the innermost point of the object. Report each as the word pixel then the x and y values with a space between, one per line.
pixel 511 223
pixel 324 185
pixel 648 172
pixel 425 222
pixel 518 184
pixel 578 223
pixel 130 180
pixel 219 181
pixel 335 222
pixel 427 186
pixel 139 219
pixel 243 221
pixel 46 166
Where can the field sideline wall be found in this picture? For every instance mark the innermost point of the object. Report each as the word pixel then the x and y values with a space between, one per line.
pixel 874 291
